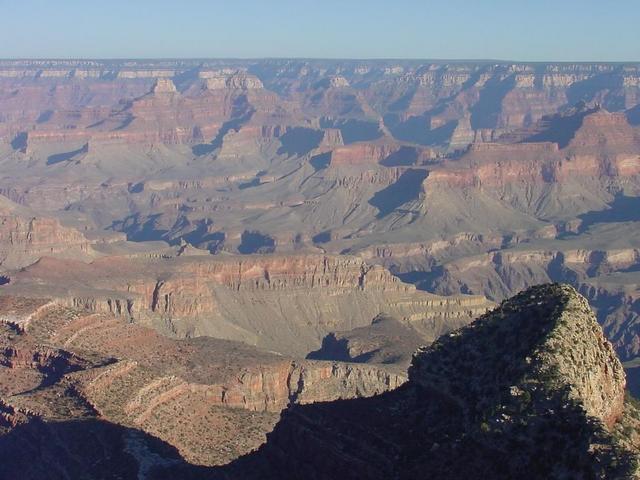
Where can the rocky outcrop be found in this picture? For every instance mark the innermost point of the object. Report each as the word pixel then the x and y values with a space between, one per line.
pixel 164 85
pixel 361 154
pixel 460 103
pixel 604 146
pixel 553 341
pixel 531 387
pixel 530 390
pixel 231 80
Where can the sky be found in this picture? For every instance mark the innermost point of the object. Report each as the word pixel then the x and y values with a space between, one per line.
pixel 524 30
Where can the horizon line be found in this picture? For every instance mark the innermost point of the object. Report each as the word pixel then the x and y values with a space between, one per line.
pixel 319 59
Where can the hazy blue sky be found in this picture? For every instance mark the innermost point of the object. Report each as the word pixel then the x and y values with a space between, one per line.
pixel 497 29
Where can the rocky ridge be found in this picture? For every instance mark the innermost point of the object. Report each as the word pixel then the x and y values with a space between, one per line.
pixel 530 390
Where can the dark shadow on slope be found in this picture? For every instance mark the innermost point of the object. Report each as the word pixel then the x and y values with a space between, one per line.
pixel 484 114
pixel 322 237
pixel 441 136
pixel 299 141
pixel 138 230
pixel 622 209
pixel 561 128
pixel 406 188
pixel 65 156
pixel 19 142
pixel 418 278
pixel 614 102
pixel 633 381
pixel 332 348
pixel 83 448
pixel 416 130
pixel 404 101
pixel 213 241
pixel 241 113
pixel 451 423
pixel 413 130
pixel 201 237
pixel 202 149
pixel 633 115
pixel 404 157
pixel 125 123
pixel 386 341
pixel 45 116
pixel 355 130
pixel 184 79
pixel 136 187
pixel 253 183
pixel 586 90
pixel 318 162
pixel 256 242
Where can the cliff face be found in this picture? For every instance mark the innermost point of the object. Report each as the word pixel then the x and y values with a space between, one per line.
pixel 361 154
pixel 530 390
pixel 420 103
pixel 603 145
pixel 600 264
pixel 25 237
pixel 282 303
pixel 343 159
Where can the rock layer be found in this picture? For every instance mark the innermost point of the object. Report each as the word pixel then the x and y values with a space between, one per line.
pixel 68 365
pixel 306 296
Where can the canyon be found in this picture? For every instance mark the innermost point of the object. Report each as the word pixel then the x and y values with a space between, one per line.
pixel 192 248
pixel 485 401
pixel 60 363
pixel 281 303
pixel 81 390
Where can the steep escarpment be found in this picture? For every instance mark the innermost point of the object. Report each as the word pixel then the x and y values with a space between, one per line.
pixel 530 390
pixel 361 153
pixel 256 158
pixel 552 339
pixel 282 303
pixel 604 144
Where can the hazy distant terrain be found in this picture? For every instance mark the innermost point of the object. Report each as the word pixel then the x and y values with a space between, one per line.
pixel 219 239
pixel 460 177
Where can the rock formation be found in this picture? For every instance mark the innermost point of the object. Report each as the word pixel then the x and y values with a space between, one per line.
pixel 155 190
pixel 26 236
pixel 530 390
pixel 65 365
pixel 282 303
